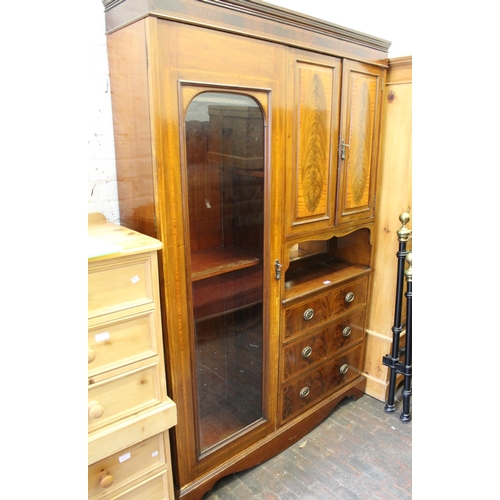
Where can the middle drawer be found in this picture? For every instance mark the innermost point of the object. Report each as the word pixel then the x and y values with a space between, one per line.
pixel 331 340
pixel 118 397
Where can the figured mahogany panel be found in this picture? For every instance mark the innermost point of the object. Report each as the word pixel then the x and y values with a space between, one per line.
pixel 333 302
pixel 359 146
pixel 318 346
pixel 313 143
pixel 315 386
pixel 312 161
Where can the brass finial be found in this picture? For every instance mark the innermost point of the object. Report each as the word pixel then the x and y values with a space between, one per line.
pixel 404 233
pixel 408 272
pixel 404 218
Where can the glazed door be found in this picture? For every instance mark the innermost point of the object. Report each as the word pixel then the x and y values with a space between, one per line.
pixel 358 148
pixel 220 204
pixel 225 172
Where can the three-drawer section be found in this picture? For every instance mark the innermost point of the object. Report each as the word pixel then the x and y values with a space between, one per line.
pixel 322 347
pixel 126 381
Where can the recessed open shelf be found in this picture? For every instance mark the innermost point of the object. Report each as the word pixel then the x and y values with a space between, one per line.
pixel 309 279
pixel 220 260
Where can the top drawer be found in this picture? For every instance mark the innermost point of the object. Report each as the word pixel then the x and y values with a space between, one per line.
pixel 326 307
pixel 119 284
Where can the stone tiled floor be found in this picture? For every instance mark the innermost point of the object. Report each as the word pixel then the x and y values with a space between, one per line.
pixel 358 452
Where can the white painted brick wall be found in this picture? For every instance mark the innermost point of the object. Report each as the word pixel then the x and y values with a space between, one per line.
pixel 102 184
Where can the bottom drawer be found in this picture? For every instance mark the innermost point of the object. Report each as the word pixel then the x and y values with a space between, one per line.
pixel 315 386
pixel 127 467
pixel 154 488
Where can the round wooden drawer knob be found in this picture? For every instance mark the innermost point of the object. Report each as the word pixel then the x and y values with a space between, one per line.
pixel 106 479
pixel 91 355
pixel 95 410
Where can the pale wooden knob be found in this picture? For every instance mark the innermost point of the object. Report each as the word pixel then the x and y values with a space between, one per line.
pixel 95 410
pixel 91 355
pixel 106 479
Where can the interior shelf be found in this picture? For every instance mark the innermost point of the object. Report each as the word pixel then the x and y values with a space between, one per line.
pixel 308 279
pixel 222 293
pixel 220 260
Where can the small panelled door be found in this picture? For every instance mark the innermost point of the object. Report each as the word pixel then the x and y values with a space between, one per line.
pixel 361 103
pixel 313 100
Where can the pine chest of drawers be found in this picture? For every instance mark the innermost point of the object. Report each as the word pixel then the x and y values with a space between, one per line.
pixel 129 412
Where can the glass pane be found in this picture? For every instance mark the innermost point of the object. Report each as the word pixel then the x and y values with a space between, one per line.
pixel 225 172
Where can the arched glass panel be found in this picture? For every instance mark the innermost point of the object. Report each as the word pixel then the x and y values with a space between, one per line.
pixel 224 137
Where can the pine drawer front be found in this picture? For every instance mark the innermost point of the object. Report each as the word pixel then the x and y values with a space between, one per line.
pixel 301 394
pixel 334 338
pixel 118 397
pixel 155 488
pixel 126 468
pixel 122 341
pixel 119 285
pixel 326 307
pixel 110 440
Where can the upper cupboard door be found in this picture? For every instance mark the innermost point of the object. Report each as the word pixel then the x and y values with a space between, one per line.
pixel 361 102
pixel 313 101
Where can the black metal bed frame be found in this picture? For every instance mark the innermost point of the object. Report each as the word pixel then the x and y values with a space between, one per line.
pixel 392 360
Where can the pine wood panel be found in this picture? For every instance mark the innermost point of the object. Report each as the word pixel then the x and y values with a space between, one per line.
pixel 394 196
pixel 115 342
pixel 126 468
pixel 153 488
pixel 142 387
pixel 127 391
pixel 120 284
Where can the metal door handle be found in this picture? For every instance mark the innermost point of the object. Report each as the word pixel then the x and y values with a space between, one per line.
pixel 342 150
